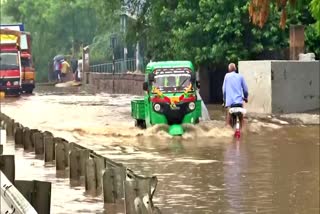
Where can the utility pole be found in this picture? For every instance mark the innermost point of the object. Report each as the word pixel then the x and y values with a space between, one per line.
pixel 113 44
pixel 123 23
pixel 137 55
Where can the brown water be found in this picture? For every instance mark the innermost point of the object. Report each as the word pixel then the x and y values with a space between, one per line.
pixel 271 170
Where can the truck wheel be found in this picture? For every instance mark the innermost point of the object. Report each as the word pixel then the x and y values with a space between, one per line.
pixel 29 91
pixel 143 124
pixel 18 94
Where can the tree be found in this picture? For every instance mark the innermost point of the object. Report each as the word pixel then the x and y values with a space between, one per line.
pixel 57 27
pixel 259 10
pixel 315 10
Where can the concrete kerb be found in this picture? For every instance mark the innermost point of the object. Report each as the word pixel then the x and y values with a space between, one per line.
pixel 49 148
pixel 27 144
pixel 32 132
pixel 37 192
pixel 101 175
pixel 90 177
pixel 75 165
pixel 7 166
pixel 61 153
pixel 18 135
pixel 9 127
pixel 139 193
pixel 15 127
pixel 113 184
pixel 38 140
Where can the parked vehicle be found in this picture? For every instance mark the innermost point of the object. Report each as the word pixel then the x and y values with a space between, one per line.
pixel 10 62
pixel 27 70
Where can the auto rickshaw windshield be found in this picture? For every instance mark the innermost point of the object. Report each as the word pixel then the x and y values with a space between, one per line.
pixel 172 82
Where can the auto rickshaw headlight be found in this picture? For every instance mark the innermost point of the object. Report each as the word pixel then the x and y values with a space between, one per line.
pixel 192 105
pixel 157 107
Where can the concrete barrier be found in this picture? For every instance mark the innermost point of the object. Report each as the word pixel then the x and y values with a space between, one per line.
pixel 32 132
pixel 61 153
pixel 90 177
pixel 7 166
pixel 101 175
pixel 49 148
pixel 38 140
pixel 18 136
pixel 27 144
pixel 281 86
pixel 9 126
pixel 12 201
pixel 75 166
pixel 38 193
pixel 117 83
pixel 84 156
pixel 113 184
pixel 99 170
pixel 138 195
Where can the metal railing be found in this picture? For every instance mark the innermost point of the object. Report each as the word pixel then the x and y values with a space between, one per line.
pixel 12 200
pixel 121 66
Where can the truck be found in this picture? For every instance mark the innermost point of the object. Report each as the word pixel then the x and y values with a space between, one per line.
pixel 170 97
pixel 10 62
pixel 28 70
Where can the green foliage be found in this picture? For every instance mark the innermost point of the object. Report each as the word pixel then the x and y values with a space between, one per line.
pixel 218 31
pixel 204 31
pixel 315 10
pixel 57 27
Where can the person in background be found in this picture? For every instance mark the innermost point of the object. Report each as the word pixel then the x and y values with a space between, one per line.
pixel 74 67
pixel 65 68
pixel 79 70
pixel 235 91
pixel 57 71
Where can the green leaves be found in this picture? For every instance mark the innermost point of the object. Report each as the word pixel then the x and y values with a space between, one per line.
pixel 204 31
pixel 315 10
pixel 56 26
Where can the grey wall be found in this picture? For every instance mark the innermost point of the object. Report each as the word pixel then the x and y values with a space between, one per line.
pixel 281 86
pixel 116 84
pixel 257 75
pixel 295 86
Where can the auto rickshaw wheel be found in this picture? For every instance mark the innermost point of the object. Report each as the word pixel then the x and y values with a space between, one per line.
pixel 140 124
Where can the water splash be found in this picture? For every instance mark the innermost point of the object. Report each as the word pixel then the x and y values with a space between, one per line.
pixel 205 113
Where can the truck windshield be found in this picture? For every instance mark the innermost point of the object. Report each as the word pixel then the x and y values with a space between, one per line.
pixel 9 61
pixel 172 82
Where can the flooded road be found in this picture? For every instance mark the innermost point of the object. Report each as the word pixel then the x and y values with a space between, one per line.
pixel 272 170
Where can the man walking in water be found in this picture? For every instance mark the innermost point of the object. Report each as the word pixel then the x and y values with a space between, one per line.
pixel 234 91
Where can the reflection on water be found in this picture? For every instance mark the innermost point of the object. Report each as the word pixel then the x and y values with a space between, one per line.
pixel 273 170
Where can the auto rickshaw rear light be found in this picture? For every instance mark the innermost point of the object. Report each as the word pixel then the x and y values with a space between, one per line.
pixel 8 83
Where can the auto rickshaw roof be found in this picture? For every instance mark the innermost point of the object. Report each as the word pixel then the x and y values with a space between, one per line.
pixel 169 64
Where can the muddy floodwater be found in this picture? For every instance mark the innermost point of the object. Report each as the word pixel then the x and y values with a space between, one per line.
pixel 272 169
